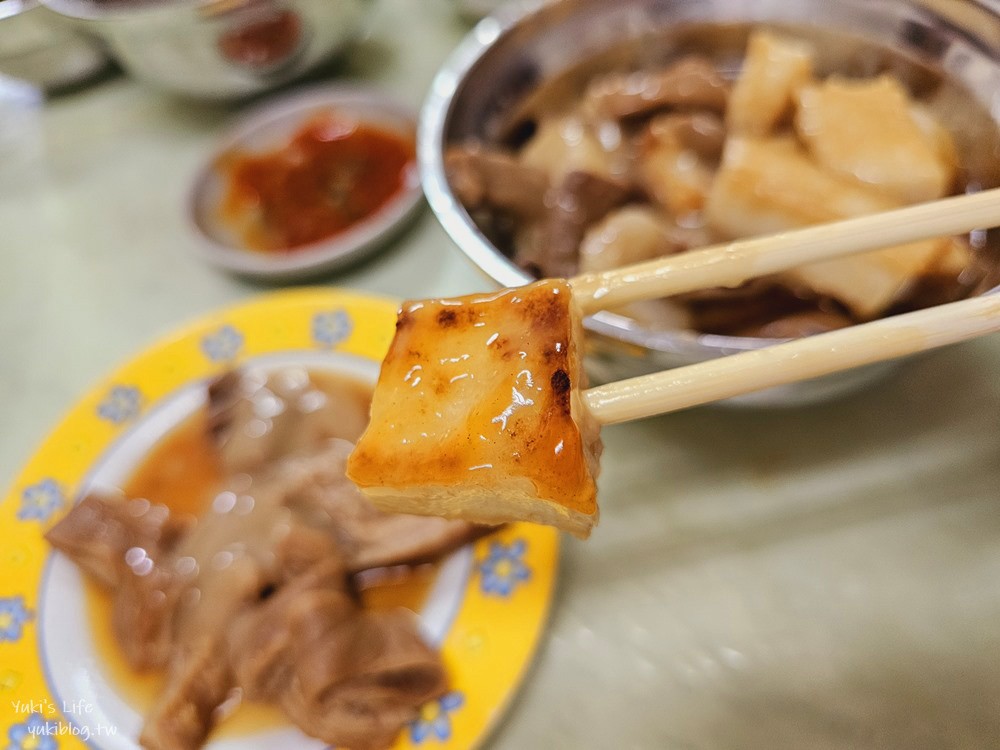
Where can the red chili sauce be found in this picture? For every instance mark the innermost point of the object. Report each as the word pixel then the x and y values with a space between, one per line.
pixel 332 175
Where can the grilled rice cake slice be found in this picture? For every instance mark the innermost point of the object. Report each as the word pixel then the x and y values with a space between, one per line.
pixel 773 71
pixel 477 413
pixel 770 185
pixel 870 131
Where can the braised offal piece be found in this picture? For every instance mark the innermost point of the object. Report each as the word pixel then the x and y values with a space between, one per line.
pixel 706 155
pixel 259 596
pixel 484 177
pixel 477 413
pixel 692 82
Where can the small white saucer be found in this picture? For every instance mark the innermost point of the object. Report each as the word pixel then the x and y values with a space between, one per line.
pixel 271 126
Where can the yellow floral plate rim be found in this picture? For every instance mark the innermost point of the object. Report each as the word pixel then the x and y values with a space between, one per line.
pixel 508 593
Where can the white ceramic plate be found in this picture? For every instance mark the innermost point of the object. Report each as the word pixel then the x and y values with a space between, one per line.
pixel 61 685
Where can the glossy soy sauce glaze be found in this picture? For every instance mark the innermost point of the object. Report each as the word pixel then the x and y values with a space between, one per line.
pixel 332 175
pixel 477 394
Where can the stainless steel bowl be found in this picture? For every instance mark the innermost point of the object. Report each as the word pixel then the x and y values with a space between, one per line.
pixel 41 48
pixel 218 49
pixel 508 54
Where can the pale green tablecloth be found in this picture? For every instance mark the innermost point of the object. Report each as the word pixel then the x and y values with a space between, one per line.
pixel 814 578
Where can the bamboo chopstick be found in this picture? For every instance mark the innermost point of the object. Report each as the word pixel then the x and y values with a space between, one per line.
pixel 733 263
pixel 737 374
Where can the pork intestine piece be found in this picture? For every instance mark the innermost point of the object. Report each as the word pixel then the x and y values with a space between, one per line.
pixel 691 82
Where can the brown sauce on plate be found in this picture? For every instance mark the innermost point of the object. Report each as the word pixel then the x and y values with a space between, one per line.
pixel 182 472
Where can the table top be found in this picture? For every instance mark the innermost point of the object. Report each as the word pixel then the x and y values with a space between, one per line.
pixel 813 577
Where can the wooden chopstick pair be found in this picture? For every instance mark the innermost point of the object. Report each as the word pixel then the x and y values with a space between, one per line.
pixel 733 263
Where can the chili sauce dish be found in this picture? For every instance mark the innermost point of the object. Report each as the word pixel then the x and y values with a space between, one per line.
pixel 306 184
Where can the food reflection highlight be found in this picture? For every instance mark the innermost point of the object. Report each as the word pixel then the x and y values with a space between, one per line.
pixel 236 562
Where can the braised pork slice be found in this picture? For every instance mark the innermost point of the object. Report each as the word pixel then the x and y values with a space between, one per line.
pixel 142 608
pixel 185 711
pixel 316 489
pixel 572 207
pixel 692 82
pixel 259 640
pixel 488 177
pixel 100 529
pixel 358 681
pixel 256 599
pixel 257 417
pixel 348 677
pixel 125 545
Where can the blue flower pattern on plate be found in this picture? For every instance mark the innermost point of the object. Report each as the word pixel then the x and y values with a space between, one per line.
pixel 435 718
pixel 39 501
pixel 332 327
pixel 503 568
pixel 121 404
pixel 13 616
pixel 222 345
pixel 36 733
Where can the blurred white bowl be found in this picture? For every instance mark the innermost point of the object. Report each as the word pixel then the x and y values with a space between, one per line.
pixel 43 49
pixel 218 49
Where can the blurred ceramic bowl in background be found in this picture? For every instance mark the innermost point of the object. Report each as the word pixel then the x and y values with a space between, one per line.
pixel 43 49
pixel 218 49
pixel 509 55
